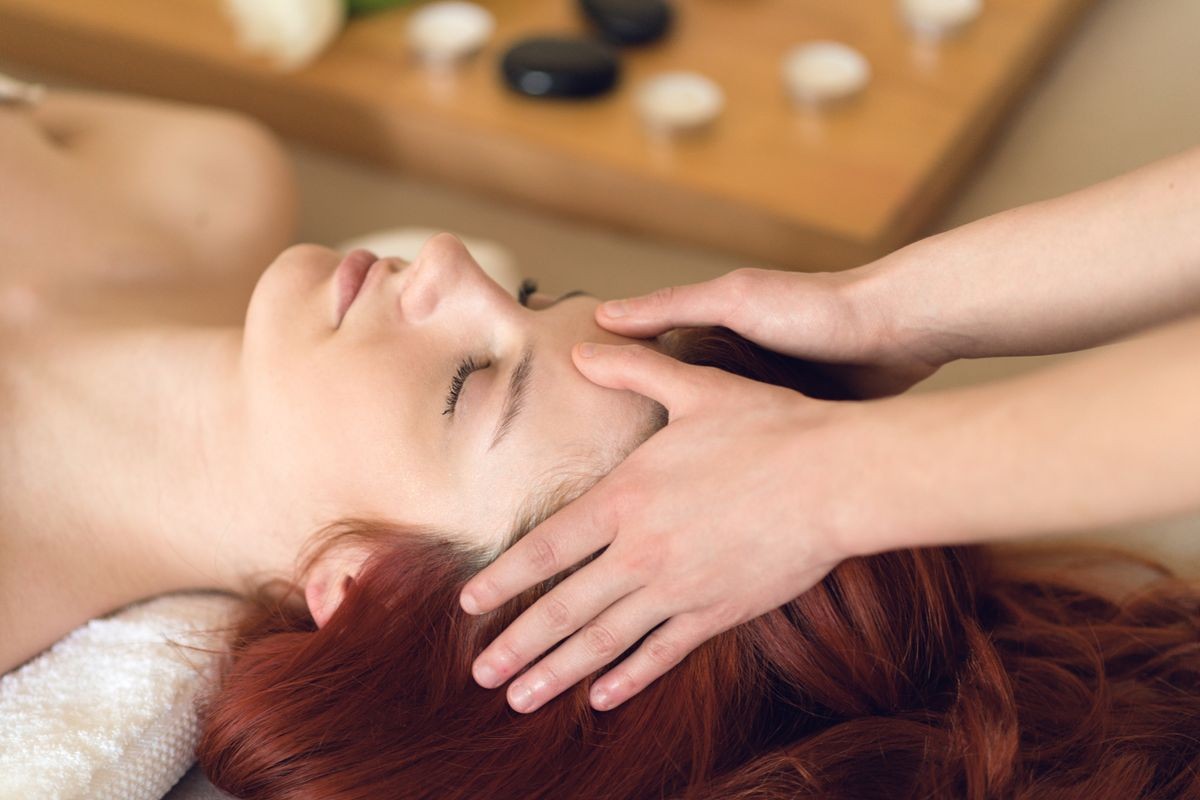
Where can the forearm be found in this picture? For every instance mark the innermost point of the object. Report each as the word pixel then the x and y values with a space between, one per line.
pixel 1107 439
pixel 1055 276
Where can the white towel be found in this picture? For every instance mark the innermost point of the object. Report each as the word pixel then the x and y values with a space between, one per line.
pixel 109 713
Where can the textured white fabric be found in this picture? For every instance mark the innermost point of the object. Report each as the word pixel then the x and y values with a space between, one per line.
pixel 109 713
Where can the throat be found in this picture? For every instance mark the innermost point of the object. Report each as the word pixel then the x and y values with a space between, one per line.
pixel 121 475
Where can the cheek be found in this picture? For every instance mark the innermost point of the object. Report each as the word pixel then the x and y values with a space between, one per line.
pixel 359 436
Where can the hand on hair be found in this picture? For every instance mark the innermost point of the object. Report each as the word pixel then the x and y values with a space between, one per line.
pixel 726 513
pixel 819 317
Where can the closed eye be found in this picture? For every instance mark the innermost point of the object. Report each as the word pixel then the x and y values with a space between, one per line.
pixel 465 367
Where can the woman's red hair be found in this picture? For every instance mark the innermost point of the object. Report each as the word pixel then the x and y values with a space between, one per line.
pixel 937 673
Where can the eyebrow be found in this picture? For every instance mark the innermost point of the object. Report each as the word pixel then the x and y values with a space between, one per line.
pixel 514 398
pixel 518 383
pixel 569 295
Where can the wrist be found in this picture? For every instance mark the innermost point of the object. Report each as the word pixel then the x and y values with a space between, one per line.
pixel 912 494
pixel 896 304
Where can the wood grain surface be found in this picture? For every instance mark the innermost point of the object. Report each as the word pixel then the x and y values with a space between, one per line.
pixel 793 188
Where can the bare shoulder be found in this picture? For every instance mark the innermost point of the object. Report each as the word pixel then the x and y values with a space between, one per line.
pixel 126 190
pixel 219 182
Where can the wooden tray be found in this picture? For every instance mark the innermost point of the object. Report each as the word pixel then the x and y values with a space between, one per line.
pixel 768 181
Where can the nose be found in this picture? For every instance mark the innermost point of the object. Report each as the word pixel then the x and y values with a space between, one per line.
pixel 444 273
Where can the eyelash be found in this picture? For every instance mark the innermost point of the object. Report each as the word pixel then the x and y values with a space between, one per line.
pixel 469 364
pixel 526 290
pixel 465 368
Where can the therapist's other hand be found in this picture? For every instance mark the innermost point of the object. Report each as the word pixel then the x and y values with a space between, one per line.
pixel 719 517
pixel 842 319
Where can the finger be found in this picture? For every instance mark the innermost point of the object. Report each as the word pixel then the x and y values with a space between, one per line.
pixel 555 616
pixel 662 650
pixel 678 386
pixel 570 535
pixel 688 306
pixel 595 645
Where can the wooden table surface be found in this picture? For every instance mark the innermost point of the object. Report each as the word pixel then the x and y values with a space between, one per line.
pixel 769 181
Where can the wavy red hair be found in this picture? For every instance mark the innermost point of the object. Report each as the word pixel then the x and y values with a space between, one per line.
pixel 948 672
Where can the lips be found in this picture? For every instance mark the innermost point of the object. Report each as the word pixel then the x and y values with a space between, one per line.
pixel 348 279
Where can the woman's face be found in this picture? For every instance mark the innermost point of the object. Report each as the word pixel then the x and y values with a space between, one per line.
pixel 437 400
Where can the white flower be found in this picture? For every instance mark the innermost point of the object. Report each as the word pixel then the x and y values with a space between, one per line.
pixel 290 32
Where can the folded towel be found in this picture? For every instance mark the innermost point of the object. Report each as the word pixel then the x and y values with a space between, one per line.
pixel 109 713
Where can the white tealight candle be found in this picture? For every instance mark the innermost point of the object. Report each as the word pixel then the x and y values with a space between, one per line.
pixel 824 71
pixel 936 19
pixel 674 102
pixel 448 31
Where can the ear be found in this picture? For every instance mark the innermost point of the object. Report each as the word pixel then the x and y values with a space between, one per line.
pixel 329 578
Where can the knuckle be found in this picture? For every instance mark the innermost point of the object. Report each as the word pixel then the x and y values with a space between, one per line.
pixel 663 298
pixel 600 641
pixel 555 614
pixel 663 652
pixel 633 353
pixel 626 680
pixel 505 656
pixel 724 616
pixel 743 280
pixel 742 285
pixel 543 555
pixel 627 498
pixel 548 676
pixel 710 378
pixel 486 590
pixel 642 561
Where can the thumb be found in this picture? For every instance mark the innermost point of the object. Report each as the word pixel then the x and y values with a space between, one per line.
pixel 678 386
pixel 689 306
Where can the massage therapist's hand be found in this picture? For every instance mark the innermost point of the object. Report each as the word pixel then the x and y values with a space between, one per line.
pixel 719 517
pixel 843 319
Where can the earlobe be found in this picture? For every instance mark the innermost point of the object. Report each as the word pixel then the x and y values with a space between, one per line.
pixel 328 582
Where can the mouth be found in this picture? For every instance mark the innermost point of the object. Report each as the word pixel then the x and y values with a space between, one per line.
pixel 348 278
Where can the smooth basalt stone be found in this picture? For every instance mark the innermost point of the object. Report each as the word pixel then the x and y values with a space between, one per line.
pixel 555 66
pixel 629 21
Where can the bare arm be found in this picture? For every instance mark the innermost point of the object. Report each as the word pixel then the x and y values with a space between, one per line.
pixel 1104 440
pixel 1056 276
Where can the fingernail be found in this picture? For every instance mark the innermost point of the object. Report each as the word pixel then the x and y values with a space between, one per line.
pixel 616 308
pixel 601 699
pixel 469 603
pixel 521 698
pixel 587 350
pixel 486 676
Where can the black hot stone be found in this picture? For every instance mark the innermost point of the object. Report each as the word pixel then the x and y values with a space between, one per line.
pixel 553 66
pixel 629 21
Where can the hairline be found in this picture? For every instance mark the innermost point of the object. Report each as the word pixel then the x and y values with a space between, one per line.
pixel 540 505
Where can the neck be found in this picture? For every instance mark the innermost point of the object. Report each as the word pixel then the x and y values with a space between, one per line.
pixel 124 474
